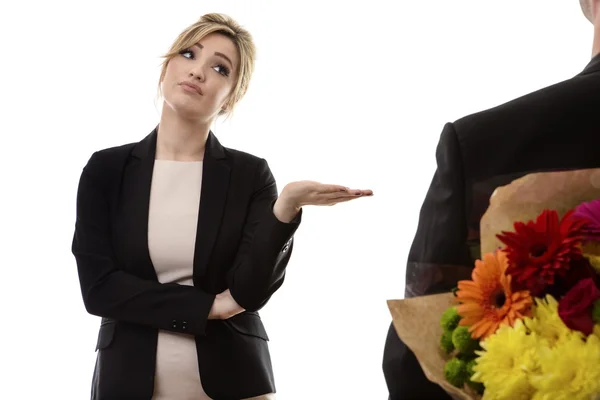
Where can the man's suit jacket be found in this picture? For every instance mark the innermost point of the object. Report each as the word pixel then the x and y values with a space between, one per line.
pixel 240 245
pixel 556 128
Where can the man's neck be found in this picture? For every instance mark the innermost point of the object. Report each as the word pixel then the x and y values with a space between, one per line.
pixel 596 43
pixel 596 16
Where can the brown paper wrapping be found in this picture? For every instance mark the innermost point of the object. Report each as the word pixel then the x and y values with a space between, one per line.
pixel 525 198
pixel 417 320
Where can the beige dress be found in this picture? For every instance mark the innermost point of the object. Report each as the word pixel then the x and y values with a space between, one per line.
pixel 172 223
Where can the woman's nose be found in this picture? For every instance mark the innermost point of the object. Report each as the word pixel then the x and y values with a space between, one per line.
pixel 197 73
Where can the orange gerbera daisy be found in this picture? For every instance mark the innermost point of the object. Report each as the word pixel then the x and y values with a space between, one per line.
pixel 488 300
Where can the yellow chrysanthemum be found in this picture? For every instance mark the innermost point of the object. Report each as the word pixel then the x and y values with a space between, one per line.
pixel 597 330
pixel 505 365
pixel 591 251
pixel 569 371
pixel 594 261
pixel 591 247
pixel 547 324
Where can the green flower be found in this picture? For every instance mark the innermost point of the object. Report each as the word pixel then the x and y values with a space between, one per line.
pixel 596 311
pixel 463 342
pixel 455 372
pixel 446 342
pixel 477 386
pixel 450 319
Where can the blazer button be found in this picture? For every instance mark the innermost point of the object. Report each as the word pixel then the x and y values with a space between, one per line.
pixel 184 325
pixel 175 324
pixel 285 248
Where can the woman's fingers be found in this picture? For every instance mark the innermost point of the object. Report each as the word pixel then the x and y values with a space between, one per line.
pixel 342 195
pixel 327 194
pixel 334 198
pixel 333 202
pixel 322 188
pixel 351 193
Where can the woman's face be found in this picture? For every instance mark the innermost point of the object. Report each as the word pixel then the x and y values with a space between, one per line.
pixel 199 81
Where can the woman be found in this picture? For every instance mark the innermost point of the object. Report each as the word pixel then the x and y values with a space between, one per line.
pixel 179 241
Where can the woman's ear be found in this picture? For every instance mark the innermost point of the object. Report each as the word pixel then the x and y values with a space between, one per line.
pixel 225 106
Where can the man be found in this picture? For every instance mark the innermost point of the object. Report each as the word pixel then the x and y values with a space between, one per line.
pixel 556 128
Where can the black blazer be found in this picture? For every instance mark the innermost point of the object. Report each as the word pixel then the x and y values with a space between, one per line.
pixel 240 245
pixel 556 128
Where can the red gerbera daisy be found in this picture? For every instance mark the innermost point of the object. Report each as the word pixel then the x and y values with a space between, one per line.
pixel 538 251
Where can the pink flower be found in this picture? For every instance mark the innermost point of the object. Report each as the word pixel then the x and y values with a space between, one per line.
pixel 590 211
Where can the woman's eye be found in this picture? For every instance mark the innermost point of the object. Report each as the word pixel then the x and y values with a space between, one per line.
pixel 223 70
pixel 187 53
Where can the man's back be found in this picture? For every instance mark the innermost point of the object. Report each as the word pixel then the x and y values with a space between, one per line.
pixel 556 128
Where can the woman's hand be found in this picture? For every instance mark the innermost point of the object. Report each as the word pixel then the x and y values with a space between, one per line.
pixel 224 306
pixel 295 195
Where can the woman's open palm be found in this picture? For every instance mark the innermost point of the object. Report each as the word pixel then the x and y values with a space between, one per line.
pixel 306 193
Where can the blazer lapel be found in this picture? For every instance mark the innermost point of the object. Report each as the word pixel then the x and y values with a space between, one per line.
pixel 215 185
pixel 136 200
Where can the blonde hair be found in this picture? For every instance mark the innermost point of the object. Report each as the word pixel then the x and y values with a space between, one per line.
pixel 225 25
pixel 586 7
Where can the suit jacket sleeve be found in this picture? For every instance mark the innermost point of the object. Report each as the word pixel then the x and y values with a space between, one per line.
pixel 439 256
pixel 110 292
pixel 266 247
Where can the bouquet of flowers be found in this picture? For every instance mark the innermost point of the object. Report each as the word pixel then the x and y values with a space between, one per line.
pixel 527 323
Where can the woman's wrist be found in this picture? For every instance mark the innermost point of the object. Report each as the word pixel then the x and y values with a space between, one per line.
pixel 284 209
pixel 215 309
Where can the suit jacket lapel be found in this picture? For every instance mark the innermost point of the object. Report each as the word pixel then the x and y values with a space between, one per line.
pixel 136 200
pixel 215 185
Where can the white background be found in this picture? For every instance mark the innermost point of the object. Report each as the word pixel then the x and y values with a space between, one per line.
pixel 352 93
